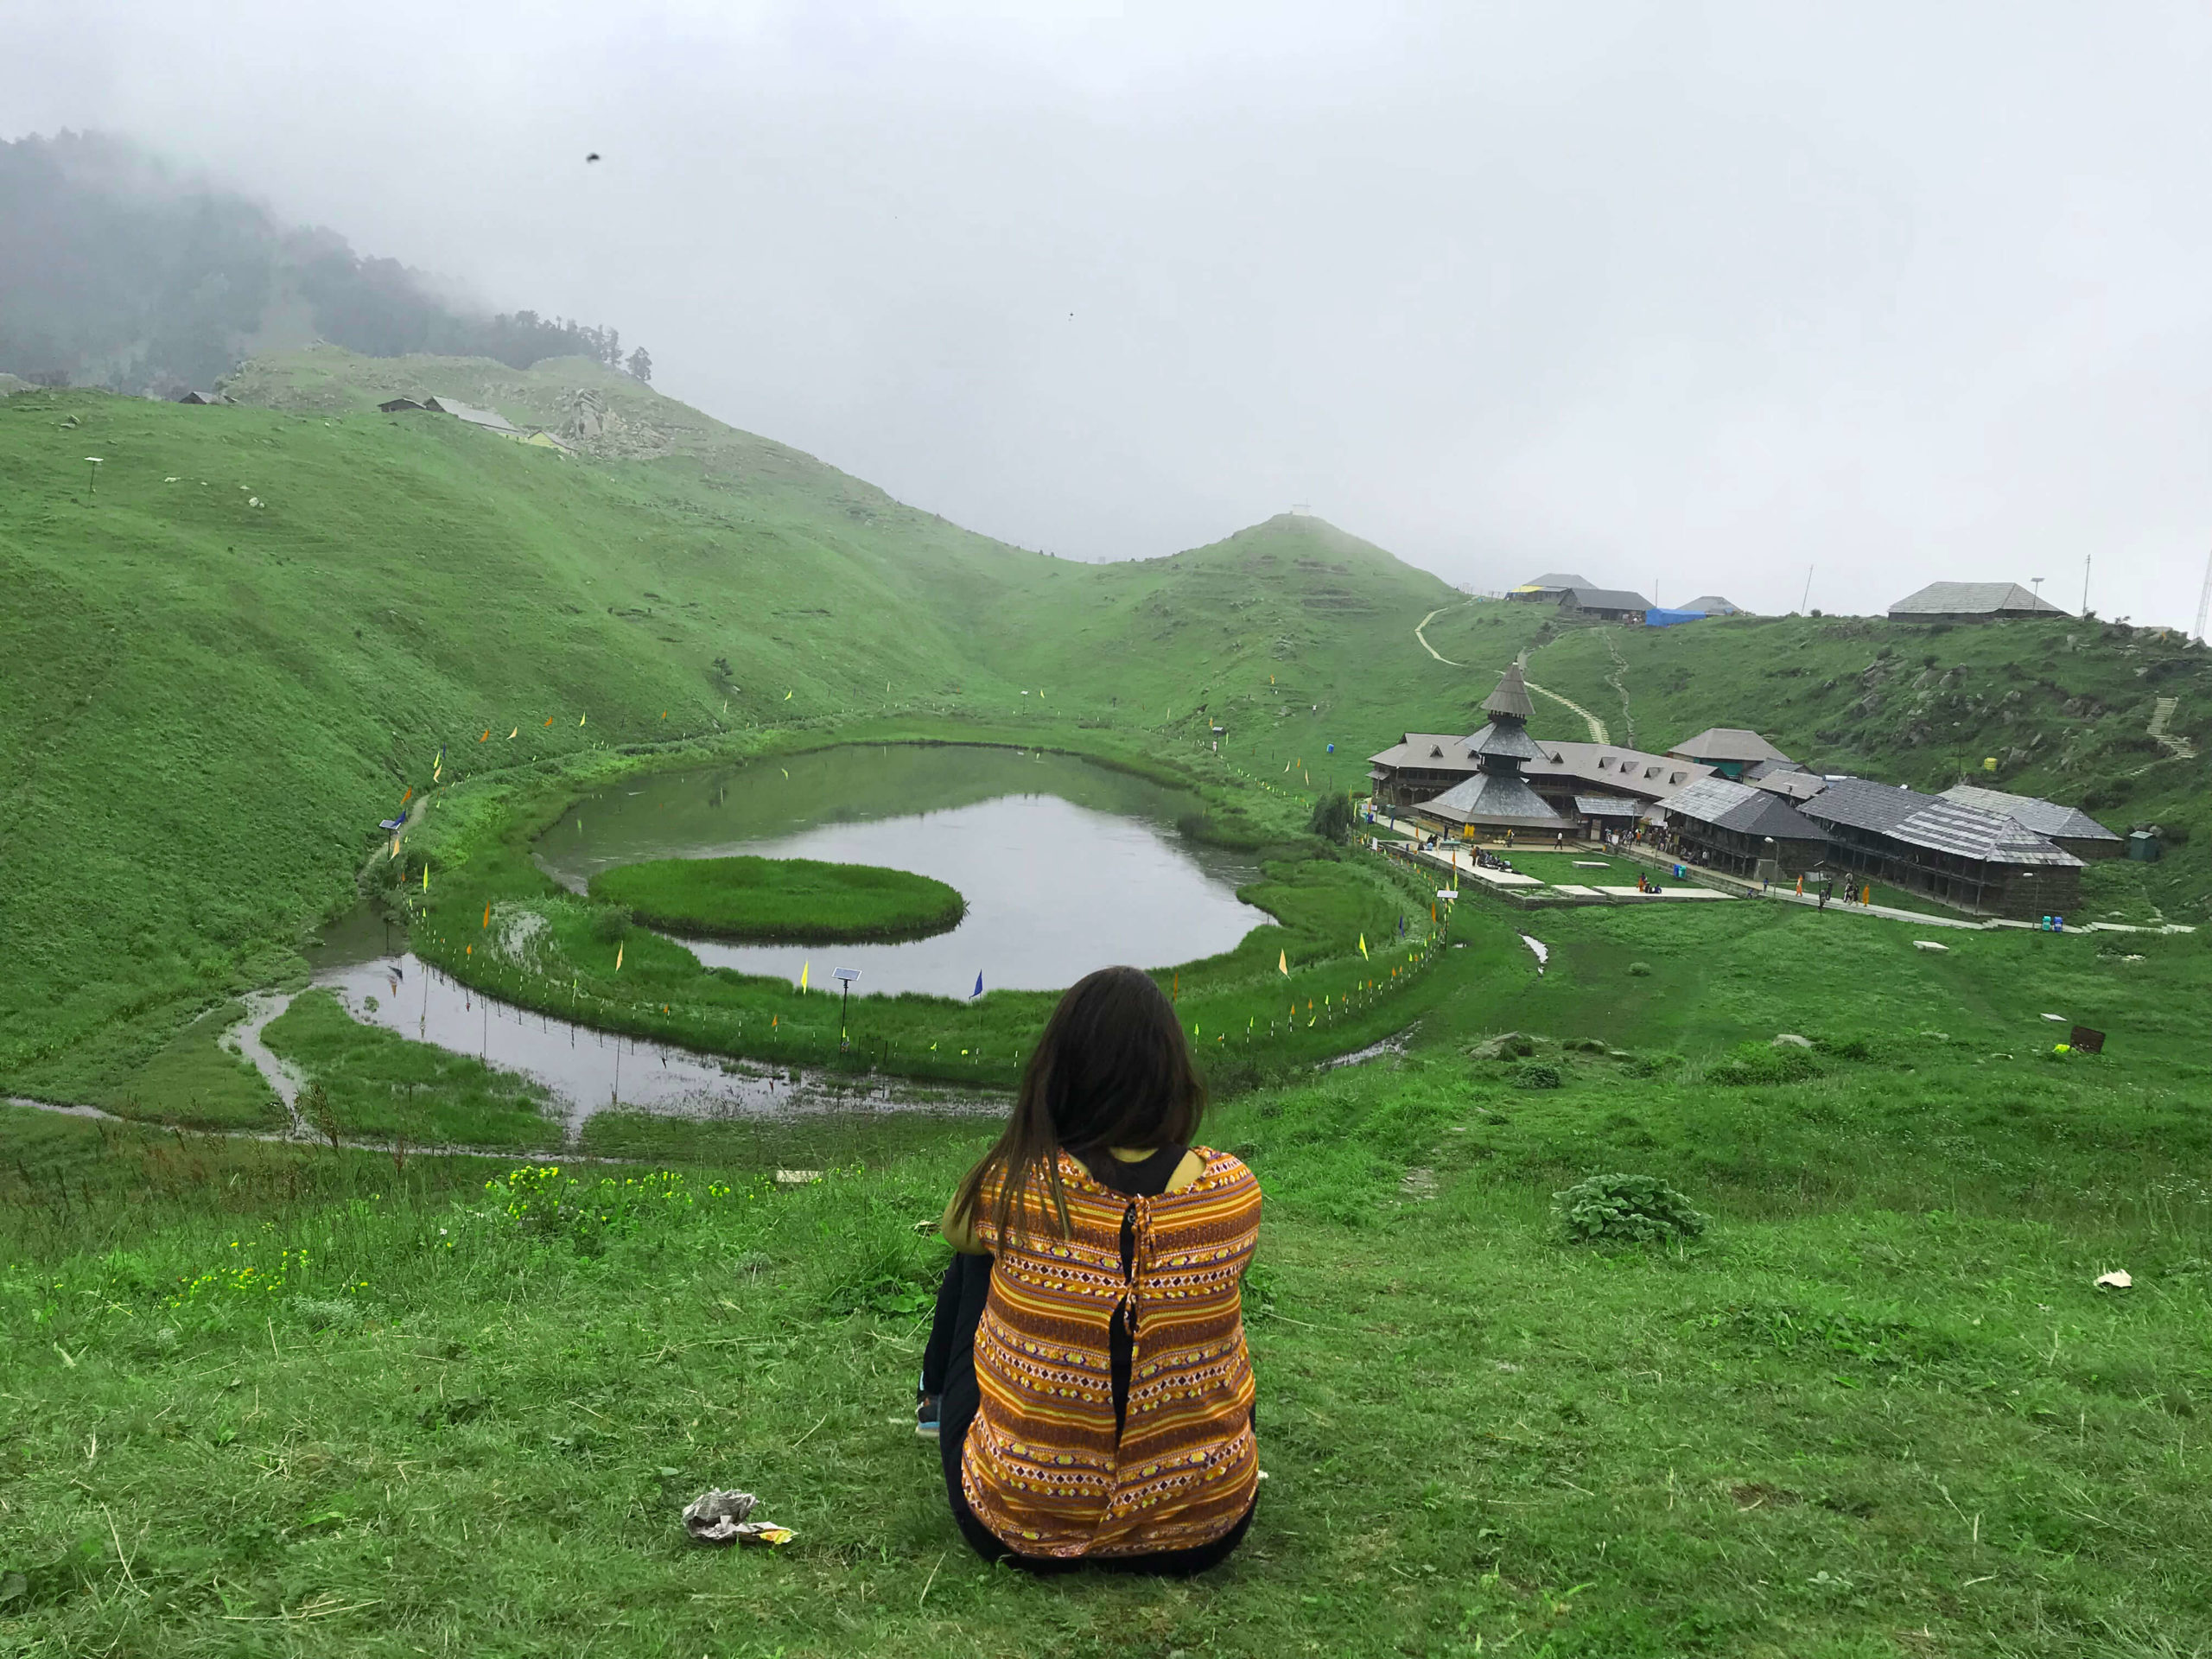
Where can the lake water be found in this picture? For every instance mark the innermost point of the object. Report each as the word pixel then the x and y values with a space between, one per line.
pixel 1066 866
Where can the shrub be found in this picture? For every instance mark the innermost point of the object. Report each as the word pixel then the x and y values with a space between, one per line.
pixel 1639 971
pixel 1633 1209
pixel 610 922
pixel 1848 1048
pixel 1539 1076
pixel 1333 818
pixel 1756 1063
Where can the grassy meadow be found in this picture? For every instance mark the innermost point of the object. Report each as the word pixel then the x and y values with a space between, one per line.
pixel 302 1398
pixel 276 1399
pixel 800 900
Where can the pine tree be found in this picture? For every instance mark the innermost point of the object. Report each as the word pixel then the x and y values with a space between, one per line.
pixel 641 364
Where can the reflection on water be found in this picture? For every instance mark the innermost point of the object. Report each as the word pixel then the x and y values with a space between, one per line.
pixel 1066 866
pixel 591 1070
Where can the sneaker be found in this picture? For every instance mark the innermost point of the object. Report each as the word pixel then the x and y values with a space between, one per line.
pixel 925 1407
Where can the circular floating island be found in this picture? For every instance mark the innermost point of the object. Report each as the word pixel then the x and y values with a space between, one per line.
pixel 782 900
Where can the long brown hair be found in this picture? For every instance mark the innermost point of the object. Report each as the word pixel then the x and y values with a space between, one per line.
pixel 1112 1069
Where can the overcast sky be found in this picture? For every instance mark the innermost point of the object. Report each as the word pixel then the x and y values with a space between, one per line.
pixel 1697 296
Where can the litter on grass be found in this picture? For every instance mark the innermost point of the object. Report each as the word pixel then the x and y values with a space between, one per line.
pixel 2116 1279
pixel 1928 944
pixel 2055 1019
pixel 722 1518
pixel 1538 945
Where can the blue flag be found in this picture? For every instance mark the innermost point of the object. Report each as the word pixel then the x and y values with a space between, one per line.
pixel 978 991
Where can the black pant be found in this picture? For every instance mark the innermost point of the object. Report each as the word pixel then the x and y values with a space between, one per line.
pixel 949 1372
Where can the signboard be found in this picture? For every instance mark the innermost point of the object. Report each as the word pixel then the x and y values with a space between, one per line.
pixel 2086 1041
pixel 847 975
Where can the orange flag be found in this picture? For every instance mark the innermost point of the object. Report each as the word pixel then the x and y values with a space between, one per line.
pixel 486 738
pixel 487 915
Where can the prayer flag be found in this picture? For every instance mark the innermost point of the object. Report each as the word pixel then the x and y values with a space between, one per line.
pixel 487 915
pixel 1175 987
pixel 426 878
pixel 977 991
pixel 410 796
pixel 1363 945
pixel 1282 963
pixel 618 958
pixel 787 697
pixel 511 735
pixel 486 738
pixel 804 969
pixel 549 720
pixel 582 718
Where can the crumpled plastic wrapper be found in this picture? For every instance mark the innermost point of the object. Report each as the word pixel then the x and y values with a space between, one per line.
pixel 724 1518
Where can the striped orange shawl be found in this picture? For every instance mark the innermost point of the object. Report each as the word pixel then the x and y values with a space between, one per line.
pixel 1041 1467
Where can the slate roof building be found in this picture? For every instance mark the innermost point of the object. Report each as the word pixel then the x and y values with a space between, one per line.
pixel 1568 769
pixel 1978 860
pixel 1604 605
pixel 1713 604
pixel 2071 828
pixel 1417 767
pixel 488 419
pixel 1743 829
pixel 1786 778
pixel 1970 601
pixel 1496 797
pixel 398 406
pixel 1550 586
pixel 201 398
pixel 1728 750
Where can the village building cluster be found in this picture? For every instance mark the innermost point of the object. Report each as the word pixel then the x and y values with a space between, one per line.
pixel 1728 800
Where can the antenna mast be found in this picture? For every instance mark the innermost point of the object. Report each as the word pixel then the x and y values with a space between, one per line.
pixel 2204 602
pixel 1808 600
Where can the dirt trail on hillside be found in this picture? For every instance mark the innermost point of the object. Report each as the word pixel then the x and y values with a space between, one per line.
pixel 1597 732
pixel 1423 638
pixel 2162 714
pixel 1619 680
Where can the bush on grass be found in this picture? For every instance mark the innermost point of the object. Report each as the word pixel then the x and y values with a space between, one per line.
pixel 1627 1209
pixel 610 924
pixel 1639 971
pixel 1539 1076
pixel 1332 819
pixel 1757 1063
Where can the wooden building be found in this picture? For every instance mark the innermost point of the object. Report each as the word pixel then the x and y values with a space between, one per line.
pixel 1987 862
pixel 1743 829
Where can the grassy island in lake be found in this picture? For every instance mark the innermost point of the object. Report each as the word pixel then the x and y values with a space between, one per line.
pixel 782 900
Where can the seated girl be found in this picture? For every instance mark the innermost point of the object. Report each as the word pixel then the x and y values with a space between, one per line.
pixel 1086 1375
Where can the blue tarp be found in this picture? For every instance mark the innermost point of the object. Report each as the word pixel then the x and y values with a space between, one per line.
pixel 1658 619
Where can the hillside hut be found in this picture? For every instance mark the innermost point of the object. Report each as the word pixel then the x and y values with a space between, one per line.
pixel 399 405
pixel 1970 601
pixel 489 420
pixel 201 398
pixel 1604 605
pixel 1713 604
pixel 1548 588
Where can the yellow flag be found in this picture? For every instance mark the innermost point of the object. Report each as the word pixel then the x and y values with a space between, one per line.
pixel 805 968
pixel 1363 944
pixel 1282 963
pixel 787 697
pixel 426 878
pixel 618 958
pixel 511 735
pixel 582 718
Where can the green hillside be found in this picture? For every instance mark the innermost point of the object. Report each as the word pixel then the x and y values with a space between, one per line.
pixel 236 651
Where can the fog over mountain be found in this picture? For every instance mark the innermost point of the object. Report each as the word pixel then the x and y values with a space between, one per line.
pixel 1697 296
